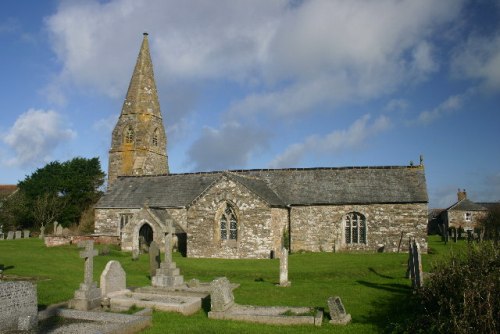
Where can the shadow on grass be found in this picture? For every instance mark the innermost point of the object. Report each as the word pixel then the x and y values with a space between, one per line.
pixel 379 275
pixel 391 311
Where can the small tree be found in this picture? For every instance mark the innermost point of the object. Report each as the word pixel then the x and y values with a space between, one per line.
pixel 47 208
pixel 490 224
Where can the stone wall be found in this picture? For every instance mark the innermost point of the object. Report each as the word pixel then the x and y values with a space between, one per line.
pixel 256 239
pixel 456 218
pixel 53 241
pixel 321 228
pixel 18 305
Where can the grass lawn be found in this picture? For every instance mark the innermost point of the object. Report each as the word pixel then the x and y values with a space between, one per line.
pixel 372 286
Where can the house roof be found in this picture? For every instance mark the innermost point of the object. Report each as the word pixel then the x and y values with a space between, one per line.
pixel 466 205
pixel 6 190
pixel 278 187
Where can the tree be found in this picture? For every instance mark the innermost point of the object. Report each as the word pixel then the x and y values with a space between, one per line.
pixel 14 212
pixel 65 189
pixel 491 223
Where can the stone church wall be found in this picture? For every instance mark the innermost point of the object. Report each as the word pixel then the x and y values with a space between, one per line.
pixel 321 228
pixel 255 236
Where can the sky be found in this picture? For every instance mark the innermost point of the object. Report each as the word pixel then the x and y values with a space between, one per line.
pixel 262 84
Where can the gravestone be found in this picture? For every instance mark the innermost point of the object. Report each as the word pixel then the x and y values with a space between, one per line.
pixel 66 232
pixel 59 230
pixel 42 232
pixel 221 295
pixel 168 275
pixel 1 232
pixel 154 258
pixel 338 315
pixel 10 235
pixel 19 235
pixel 113 278
pixel 55 227
pixel 26 234
pixel 89 295
pixel 135 254
pixel 18 306
pixel 284 268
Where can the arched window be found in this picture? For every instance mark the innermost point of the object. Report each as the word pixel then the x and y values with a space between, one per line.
pixel 154 139
pixel 355 228
pixel 129 135
pixel 228 224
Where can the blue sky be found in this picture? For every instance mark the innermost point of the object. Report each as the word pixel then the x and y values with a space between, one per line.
pixel 262 84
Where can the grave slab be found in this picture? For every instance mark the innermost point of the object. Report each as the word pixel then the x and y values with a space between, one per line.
pixel 18 306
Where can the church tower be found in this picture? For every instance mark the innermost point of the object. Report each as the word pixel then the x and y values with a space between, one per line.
pixel 139 141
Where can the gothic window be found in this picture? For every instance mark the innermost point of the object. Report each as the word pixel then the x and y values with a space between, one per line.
pixel 355 228
pixel 228 224
pixel 154 140
pixel 129 135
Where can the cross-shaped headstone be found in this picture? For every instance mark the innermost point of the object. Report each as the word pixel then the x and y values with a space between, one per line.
pixel 168 243
pixel 88 254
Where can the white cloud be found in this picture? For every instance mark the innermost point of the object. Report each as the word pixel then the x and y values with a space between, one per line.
pixel 450 105
pixel 231 146
pixel 106 125
pixel 295 56
pixel 354 137
pixel 479 58
pixel 34 137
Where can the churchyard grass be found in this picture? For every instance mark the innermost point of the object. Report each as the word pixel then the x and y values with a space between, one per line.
pixel 373 287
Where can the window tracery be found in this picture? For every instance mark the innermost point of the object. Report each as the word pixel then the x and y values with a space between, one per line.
pixel 228 224
pixel 355 228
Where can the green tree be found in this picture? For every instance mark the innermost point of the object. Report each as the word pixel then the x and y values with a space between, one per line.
pixel 491 223
pixel 72 186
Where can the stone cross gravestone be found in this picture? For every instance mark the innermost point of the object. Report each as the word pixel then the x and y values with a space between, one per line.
pixel 221 295
pixel 284 268
pixel 10 235
pixel 55 227
pixel 19 234
pixel 113 278
pixel 42 232
pixel 338 315
pixel 168 275
pixel 89 295
pixel 26 234
pixel 18 306
pixel 154 258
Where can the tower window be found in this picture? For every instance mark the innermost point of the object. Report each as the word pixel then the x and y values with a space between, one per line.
pixel 154 140
pixel 355 228
pixel 129 135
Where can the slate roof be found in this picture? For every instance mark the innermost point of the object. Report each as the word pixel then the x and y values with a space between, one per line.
pixel 466 205
pixel 278 187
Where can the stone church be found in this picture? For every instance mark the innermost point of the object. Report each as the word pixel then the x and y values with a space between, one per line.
pixel 248 213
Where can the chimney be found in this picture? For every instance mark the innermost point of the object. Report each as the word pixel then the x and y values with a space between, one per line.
pixel 461 194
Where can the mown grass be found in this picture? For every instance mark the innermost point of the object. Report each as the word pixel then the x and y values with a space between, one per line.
pixel 372 286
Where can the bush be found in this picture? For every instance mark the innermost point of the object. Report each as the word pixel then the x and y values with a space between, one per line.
pixel 462 295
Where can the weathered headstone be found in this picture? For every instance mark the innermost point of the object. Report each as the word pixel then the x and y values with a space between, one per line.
pixel 19 234
pixel 18 306
pixel 55 227
pixel 154 258
pixel 221 295
pixel 10 235
pixel 193 283
pixel 113 278
pixel 135 254
pixel 59 230
pixel 42 232
pixel 89 295
pixel 26 234
pixel 338 315
pixel 66 232
pixel 284 268
pixel 1 232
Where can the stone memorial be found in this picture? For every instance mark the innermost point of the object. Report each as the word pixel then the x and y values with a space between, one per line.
pixel 113 278
pixel 59 230
pixel 221 296
pixel 18 306
pixel 26 234
pixel 338 315
pixel 19 235
pixel 10 235
pixel 55 227
pixel 42 232
pixel 89 295
pixel 284 268
pixel 135 254
pixel 168 275
pixel 1 233
pixel 154 258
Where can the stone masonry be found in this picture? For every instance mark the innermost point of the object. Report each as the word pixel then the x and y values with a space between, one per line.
pixel 18 306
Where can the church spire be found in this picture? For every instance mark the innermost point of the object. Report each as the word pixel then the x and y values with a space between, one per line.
pixel 139 141
pixel 142 96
